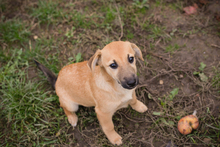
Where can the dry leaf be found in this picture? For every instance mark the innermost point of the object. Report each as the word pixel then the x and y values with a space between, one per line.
pixel 191 9
pixel 207 140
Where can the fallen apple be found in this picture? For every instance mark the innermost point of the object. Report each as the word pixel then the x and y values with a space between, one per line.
pixel 187 123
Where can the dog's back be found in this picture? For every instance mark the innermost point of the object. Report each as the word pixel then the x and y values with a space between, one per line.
pixel 73 84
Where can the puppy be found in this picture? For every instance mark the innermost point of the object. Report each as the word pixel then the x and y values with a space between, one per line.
pixel 107 81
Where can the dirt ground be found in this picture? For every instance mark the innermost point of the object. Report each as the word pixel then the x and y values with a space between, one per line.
pixel 172 59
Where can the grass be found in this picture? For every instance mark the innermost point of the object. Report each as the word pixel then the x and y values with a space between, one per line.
pixel 172 48
pixel 28 109
pixel 216 78
pixel 156 32
pixel 46 12
pixel 30 114
pixel 13 31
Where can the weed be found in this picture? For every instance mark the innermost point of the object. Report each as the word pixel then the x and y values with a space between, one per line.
pixel 69 33
pixel 167 103
pixel 173 32
pixel 78 58
pixel 156 32
pixel 141 4
pixel 202 76
pixel 190 32
pixel 173 93
pixel 172 48
pixel 202 66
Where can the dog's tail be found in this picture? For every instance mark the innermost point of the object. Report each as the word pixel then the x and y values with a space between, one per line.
pixel 51 77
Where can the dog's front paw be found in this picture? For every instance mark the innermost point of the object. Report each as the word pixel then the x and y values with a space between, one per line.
pixel 118 141
pixel 143 108
pixel 139 107
pixel 115 139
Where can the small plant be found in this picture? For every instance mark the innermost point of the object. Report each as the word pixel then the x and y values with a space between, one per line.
pixel 173 93
pixel 69 33
pixel 167 103
pixel 202 76
pixel 141 4
pixel 156 32
pixel 172 48
pixel 165 100
pixel 78 58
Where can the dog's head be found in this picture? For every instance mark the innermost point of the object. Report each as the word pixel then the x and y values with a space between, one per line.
pixel 119 60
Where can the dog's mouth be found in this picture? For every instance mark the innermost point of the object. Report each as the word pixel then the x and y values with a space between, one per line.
pixel 130 83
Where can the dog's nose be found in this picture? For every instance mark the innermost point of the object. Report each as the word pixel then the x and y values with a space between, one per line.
pixel 131 83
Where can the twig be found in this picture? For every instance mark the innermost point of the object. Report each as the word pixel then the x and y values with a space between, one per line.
pixel 213 45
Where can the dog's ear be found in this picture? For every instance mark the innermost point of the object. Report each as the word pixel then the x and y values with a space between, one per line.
pixel 94 60
pixel 138 52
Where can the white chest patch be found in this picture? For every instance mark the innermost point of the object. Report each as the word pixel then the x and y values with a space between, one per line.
pixel 125 99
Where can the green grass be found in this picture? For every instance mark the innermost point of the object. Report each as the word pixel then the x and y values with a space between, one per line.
pixel 172 48
pixel 28 109
pixel 156 32
pixel 129 35
pixel 46 12
pixel 13 31
pixel 216 78
pixel 110 15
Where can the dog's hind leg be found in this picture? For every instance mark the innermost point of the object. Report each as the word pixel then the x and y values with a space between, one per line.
pixel 72 117
pixel 70 108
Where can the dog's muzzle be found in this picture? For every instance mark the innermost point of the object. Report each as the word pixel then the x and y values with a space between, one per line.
pixel 130 83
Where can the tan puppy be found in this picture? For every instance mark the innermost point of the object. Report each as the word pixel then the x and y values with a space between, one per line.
pixel 107 81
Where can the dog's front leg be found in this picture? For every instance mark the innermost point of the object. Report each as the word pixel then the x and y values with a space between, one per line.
pixel 105 120
pixel 137 105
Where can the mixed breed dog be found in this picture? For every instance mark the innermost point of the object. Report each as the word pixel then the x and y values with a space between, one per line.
pixel 106 81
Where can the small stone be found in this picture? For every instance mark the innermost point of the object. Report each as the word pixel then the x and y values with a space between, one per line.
pixel 35 37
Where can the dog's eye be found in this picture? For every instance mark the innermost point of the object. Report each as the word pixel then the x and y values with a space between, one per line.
pixel 131 59
pixel 113 65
